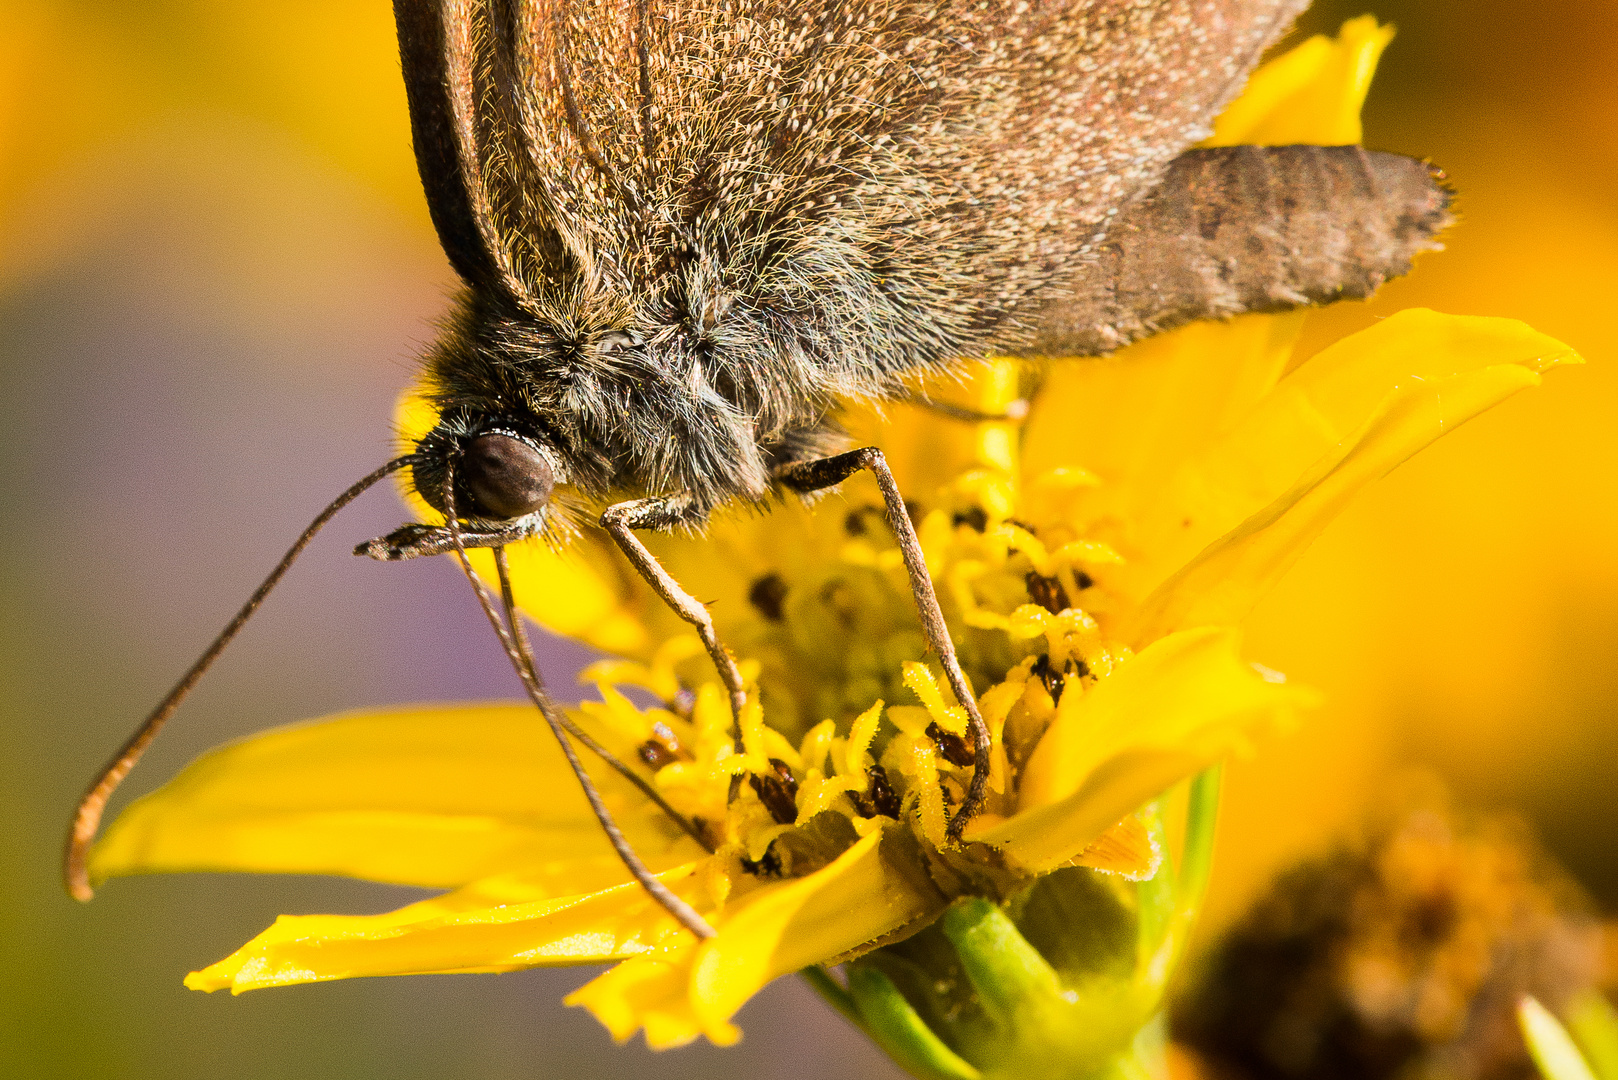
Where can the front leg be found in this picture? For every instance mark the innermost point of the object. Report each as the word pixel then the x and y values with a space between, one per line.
pixel 620 521
pixel 414 541
pixel 810 476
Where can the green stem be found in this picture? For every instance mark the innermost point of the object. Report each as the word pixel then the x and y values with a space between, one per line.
pixel 1157 898
pixel 1202 817
pixel 896 1027
pixel 1549 1043
pixel 833 994
pixel 1170 901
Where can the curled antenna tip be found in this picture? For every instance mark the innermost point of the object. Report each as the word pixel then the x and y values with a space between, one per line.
pixel 75 868
pixel 87 819
pixel 78 886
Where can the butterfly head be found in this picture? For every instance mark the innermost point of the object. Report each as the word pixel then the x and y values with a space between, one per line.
pixel 496 472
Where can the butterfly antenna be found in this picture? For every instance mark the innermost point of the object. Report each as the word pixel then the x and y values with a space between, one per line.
pixel 561 727
pixel 87 820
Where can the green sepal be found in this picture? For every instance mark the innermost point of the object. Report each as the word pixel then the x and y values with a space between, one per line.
pixel 833 994
pixel 1064 980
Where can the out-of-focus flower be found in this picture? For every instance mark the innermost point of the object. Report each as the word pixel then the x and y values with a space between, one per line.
pixel 1402 955
pixel 1093 562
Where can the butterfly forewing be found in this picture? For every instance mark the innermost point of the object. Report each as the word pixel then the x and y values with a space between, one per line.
pixel 904 182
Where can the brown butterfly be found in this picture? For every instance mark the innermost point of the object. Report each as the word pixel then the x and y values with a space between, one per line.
pixel 688 231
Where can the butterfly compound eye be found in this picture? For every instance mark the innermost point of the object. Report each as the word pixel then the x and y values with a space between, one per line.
pixel 508 477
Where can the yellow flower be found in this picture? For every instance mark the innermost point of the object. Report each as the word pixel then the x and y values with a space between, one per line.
pixel 1093 560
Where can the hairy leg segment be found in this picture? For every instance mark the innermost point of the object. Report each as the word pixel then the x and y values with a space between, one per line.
pixel 620 521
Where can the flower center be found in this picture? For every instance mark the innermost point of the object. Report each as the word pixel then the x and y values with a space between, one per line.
pixel 848 727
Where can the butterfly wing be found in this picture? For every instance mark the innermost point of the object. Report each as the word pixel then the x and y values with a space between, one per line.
pixel 1249 229
pixel 879 183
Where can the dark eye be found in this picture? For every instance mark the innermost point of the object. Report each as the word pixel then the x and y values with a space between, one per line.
pixel 614 342
pixel 508 477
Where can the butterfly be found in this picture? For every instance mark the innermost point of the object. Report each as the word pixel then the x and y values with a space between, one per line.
pixel 687 232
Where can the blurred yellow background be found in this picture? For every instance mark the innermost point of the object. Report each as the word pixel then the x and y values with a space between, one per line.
pixel 215 272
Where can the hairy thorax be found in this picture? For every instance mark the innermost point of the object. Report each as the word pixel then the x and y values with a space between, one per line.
pixel 633 403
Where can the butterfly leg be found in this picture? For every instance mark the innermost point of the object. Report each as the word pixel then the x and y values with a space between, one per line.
pixel 816 475
pixel 621 520
pixel 515 642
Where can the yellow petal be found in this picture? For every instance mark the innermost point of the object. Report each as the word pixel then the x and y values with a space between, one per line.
pixel 1310 94
pixel 1133 419
pixel 1344 419
pixel 1127 849
pixel 927 449
pixel 443 936
pixel 1166 713
pixel 436 796
pixel 583 591
pixel 871 893
pixel 653 993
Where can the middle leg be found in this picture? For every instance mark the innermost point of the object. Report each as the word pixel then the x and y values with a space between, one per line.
pixel 810 476
pixel 620 521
